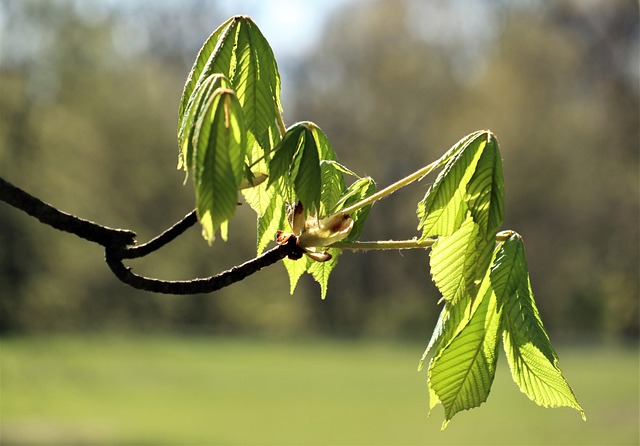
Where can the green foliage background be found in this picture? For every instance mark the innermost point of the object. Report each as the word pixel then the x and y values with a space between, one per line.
pixel 87 123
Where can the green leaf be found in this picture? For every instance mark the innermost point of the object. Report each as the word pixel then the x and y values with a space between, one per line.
pixel 257 82
pixel 272 220
pixel 357 191
pixel 281 164
pixel 325 150
pixel 239 51
pixel 322 270
pixel 296 159
pixel 192 113
pixel 485 190
pixel 450 260
pixel 332 187
pixel 308 178
pixel 196 74
pixel 220 145
pixel 444 207
pixel 532 360
pixel 460 261
pixel 452 319
pixel 306 161
pixel 295 269
pixel 460 375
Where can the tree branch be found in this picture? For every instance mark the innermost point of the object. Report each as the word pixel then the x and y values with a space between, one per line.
pixel 200 285
pixel 62 221
pixel 134 252
pixel 118 246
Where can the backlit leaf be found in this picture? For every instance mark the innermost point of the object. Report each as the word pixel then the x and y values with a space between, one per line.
pixel 296 159
pixel 485 190
pixel 220 145
pixel 532 360
pixel 461 374
pixel 195 75
pixel 192 113
pixel 322 270
pixel 295 269
pixel 238 50
pixel 444 207
pixel 357 191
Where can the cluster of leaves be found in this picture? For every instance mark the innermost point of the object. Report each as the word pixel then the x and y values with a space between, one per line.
pixel 233 140
pixel 484 281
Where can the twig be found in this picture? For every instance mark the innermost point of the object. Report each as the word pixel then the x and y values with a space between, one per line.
pixel 118 246
pixel 62 221
pixel 200 285
pixel 134 252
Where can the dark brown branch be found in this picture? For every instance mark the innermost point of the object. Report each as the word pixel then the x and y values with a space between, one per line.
pixel 118 246
pixel 134 252
pixel 201 285
pixel 62 221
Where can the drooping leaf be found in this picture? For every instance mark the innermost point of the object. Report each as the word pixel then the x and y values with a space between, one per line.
pixel 196 75
pixel 532 359
pixel 485 190
pixel 322 270
pixel 296 159
pixel 460 261
pixel 295 269
pixel 238 50
pixel 257 83
pixel 332 187
pixel 325 150
pixel 220 145
pixel 444 208
pixel 308 177
pixel 194 108
pixel 461 374
pixel 272 220
pixel 450 260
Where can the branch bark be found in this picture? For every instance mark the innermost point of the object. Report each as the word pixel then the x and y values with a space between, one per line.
pixel 119 245
pixel 62 221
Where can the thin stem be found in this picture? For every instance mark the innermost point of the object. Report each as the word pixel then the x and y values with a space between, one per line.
pixel 133 252
pixel 418 174
pixel 403 244
pixel 388 244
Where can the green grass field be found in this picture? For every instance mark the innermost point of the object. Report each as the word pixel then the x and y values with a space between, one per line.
pixel 161 390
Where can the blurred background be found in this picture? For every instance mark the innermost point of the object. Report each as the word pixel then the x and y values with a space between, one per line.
pixel 89 93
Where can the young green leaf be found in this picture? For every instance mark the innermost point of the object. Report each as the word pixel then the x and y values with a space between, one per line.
pixel 322 270
pixel 296 159
pixel 196 75
pixel 532 359
pixel 257 83
pixel 295 269
pixel 452 262
pixel 239 51
pixel 194 108
pixel 272 220
pixel 357 191
pixel 325 150
pixel 460 375
pixel 444 207
pixel 485 190
pixel 332 186
pixel 220 145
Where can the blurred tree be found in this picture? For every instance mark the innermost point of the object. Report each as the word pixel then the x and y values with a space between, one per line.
pixel 395 83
